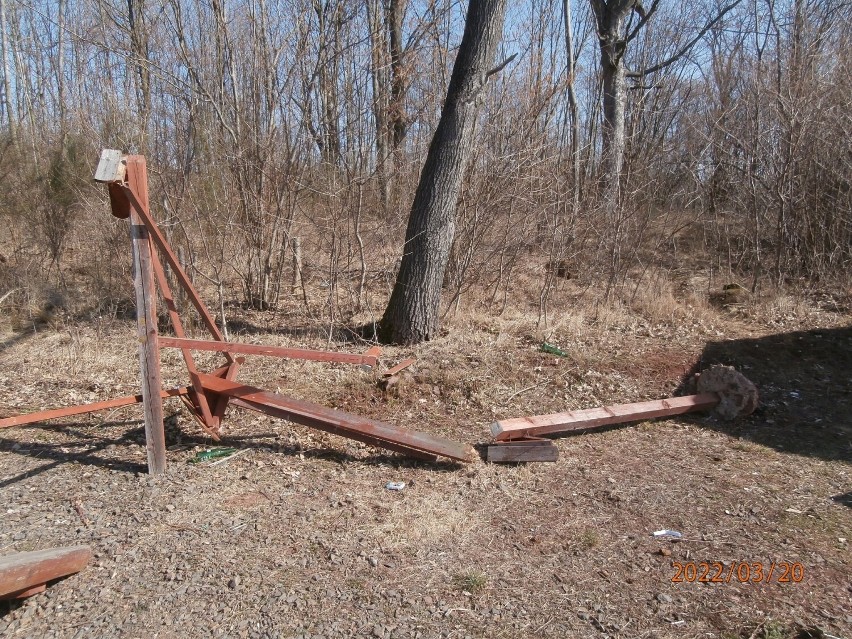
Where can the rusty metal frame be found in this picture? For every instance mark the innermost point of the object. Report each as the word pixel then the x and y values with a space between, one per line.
pixel 208 395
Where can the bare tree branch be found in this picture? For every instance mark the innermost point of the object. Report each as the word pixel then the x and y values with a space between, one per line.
pixel 686 47
pixel 644 16
pixel 501 66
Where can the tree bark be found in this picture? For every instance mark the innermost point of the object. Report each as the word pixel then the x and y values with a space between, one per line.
pixel 136 20
pixel 413 313
pixel 573 108
pixel 610 17
pixel 614 104
pixel 378 59
pixel 7 74
pixel 394 11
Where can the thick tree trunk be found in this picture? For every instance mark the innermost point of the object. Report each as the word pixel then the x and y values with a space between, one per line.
pixel 610 16
pixel 413 313
pixel 614 103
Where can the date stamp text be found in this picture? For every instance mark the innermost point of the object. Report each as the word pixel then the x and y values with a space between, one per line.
pixel 717 572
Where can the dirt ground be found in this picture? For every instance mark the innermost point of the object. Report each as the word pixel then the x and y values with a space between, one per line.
pixel 297 536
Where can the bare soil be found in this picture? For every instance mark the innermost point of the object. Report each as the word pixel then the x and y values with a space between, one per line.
pixel 298 537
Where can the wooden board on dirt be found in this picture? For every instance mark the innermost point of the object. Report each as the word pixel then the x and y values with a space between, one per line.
pixel 522 427
pixel 26 573
pixel 534 450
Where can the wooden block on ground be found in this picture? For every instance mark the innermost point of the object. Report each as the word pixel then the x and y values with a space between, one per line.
pixel 23 573
pixel 533 450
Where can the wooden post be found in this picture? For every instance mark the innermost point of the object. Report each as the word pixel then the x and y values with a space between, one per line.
pixel 146 320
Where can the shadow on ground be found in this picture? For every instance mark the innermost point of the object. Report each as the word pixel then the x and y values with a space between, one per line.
pixel 85 446
pixel 805 384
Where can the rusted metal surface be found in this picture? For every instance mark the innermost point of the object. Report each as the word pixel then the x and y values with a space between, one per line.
pixel 399 367
pixel 221 403
pixel 24 573
pixel 269 351
pixel 168 254
pixel 54 413
pixel 339 422
pixel 209 395
pixel 523 427
pixel 210 423
pixel 118 203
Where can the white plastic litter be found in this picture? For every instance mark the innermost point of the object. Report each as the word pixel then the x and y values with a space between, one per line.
pixel 668 533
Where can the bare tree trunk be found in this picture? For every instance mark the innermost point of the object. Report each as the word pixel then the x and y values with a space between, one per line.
pixel 378 59
pixel 614 102
pixel 327 78
pixel 139 48
pixel 610 17
pixel 573 110
pixel 394 12
pixel 7 72
pixel 413 313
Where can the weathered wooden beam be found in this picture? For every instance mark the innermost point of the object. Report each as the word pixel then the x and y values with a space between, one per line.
pixel 339 422
pixel 146 318
pixel 522 427
pixel 269 351
pixel 281 413
pixel 536 450
pixel 25 573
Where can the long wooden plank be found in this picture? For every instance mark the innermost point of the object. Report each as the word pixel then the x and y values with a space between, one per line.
pixel 44 415
pixel 521 427
pixel 24 571
pixel 269 351
pixel 345 424
pixel 146 319
pixel 399 367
